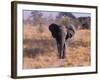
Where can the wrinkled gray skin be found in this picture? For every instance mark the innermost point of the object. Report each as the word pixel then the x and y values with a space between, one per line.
pixel 61 35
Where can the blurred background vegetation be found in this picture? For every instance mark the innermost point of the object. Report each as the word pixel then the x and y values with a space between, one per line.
pixel 41 18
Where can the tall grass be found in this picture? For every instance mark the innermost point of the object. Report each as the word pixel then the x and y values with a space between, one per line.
pixel 40 50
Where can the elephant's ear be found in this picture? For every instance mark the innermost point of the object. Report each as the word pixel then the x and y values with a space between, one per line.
pixel 54 29
pixel 70 31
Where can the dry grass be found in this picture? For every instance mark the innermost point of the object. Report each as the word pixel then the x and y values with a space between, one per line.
pixel 40 49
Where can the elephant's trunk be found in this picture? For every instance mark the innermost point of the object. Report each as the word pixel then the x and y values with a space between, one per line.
pixel 62 44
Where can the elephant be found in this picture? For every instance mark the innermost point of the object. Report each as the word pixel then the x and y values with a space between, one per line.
pixel 61 34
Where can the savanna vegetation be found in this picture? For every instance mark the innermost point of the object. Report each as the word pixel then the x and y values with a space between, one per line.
pixel 39 47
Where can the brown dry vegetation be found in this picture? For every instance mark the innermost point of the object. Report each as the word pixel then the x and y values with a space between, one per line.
pixel 40 50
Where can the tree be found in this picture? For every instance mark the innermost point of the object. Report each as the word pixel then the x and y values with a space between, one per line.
pixel 50 19
pixel 69 14
pixel 63 20
pixel 85 22
pixel 38 19
pixel 34 16
pixel 66 18
pixel 40 22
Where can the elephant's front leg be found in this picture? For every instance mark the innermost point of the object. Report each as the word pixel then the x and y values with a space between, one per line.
pixel 64 51
pixel 61 51
pixel 59 47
